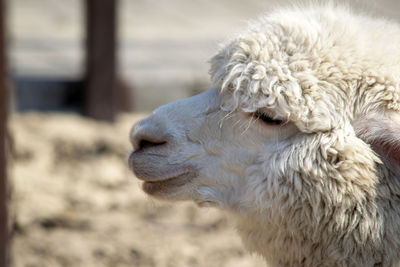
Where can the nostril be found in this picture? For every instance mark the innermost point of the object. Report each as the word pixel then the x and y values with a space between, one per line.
pixel 147 134
pixel 143 144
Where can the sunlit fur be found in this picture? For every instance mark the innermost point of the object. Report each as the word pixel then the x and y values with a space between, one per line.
pixel 322 189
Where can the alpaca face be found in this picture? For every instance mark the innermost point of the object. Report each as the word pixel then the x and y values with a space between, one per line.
pixel 194 150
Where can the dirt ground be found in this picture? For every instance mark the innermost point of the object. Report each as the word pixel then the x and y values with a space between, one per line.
pixel 77 204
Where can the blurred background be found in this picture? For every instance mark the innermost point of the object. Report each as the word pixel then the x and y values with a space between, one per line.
pixel 80 73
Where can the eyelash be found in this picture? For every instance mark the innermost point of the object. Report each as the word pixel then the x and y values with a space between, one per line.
pixel 265 118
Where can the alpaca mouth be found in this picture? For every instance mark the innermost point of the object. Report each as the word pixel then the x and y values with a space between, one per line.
pixel 165 186
pixel 159 178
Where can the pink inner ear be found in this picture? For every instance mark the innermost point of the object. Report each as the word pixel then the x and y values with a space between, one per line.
pixel 382 133
pixel 388 151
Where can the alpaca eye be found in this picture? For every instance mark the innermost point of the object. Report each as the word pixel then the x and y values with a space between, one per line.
pixel 267 119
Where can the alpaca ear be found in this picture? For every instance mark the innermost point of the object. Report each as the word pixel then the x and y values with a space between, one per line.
pixel 382 133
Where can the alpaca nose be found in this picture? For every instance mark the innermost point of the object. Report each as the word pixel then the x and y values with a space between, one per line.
pixel 146 134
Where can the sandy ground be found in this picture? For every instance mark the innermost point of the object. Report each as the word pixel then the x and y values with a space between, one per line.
pixel 77 204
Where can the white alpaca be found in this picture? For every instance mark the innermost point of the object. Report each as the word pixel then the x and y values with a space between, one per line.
pixel 299 139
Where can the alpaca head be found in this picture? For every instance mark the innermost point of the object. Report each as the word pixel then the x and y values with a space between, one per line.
pixel 300 135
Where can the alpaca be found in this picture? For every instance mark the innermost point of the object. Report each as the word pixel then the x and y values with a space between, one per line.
pixel 298 139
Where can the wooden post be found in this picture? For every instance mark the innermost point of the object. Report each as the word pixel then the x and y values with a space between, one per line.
pixel 4 232
pixel 101 92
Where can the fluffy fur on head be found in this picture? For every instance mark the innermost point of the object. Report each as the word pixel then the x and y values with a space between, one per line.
pixel 314 66
pixel 322 189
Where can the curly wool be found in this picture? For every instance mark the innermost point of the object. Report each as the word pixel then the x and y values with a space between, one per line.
pixel 312 66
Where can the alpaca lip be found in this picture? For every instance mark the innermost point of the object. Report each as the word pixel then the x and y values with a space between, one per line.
pixel 152 168
pixel 155 174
